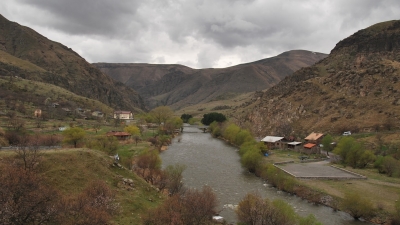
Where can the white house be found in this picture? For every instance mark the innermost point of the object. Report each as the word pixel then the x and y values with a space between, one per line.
pixel 273 142
pixel 123 115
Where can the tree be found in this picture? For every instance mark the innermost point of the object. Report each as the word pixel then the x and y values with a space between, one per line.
pixel 161 114
pixel 25 199
pixel 74 135
pixel 174 123
pixel 254 210
pixel 199 206
pixel 186 117
pixel 390 166
pixel 231 132
pixel 95 205
pixel 147 163
pixel 251 159
pixel 28 151
pixel 190 207
pixel 327 143
pixel 174 176
pixel 133 130
pixel 350 151
pixel 210 117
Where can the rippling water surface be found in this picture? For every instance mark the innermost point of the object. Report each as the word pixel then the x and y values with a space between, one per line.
pixel 212 162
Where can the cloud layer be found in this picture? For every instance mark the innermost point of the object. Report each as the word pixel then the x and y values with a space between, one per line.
pixel 196 33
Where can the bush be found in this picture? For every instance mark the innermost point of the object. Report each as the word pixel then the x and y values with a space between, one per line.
pixel 231 132
pixel 191 207
pixel 357 206
pixel 251 159
pixel 242 137
pixel 252 209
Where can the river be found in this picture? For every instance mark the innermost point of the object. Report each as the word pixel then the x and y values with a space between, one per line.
pixel 212 162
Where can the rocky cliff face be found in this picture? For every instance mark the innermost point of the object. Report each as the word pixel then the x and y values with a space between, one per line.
pixel 179 86
pixel 61 66
pixel 355 88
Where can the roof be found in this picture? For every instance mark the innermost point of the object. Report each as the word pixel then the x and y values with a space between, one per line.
pixel 271 139
pixel 118 133
pixel 122 112
pixel 314 136
pixel 309 145
pixel 294 143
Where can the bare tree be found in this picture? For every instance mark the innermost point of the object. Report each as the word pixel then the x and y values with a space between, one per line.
pixel 28 151
pixel 25 199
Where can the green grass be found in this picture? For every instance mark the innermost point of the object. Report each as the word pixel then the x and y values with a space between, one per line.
pixel 70 170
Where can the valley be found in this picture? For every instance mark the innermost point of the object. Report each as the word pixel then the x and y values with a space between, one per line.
pixel 51 96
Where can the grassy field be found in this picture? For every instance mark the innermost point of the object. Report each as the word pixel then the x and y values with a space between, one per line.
pixel 382 190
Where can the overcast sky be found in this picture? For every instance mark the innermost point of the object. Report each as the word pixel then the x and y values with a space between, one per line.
pixel 196 33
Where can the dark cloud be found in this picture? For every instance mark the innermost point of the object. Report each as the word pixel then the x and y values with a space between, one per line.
pixel 93 17
pixel 198 33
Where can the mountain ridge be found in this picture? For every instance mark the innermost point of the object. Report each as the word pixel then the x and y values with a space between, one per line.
pixel 355 88
pixel 61 66
pixel 179 86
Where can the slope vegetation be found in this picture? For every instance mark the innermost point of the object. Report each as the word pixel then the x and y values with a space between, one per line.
pixel 27 54
pixel 355 88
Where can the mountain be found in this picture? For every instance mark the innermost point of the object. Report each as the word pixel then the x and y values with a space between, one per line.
pixel 27 54
pixel 355 88
pixel 179 86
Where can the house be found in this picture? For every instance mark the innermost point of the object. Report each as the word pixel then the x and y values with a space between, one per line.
pixel 67 110
pixel 123 115
pixel 120 135
pixel 62 128
pixel 38 113
pixel 295 145
pixel 97 114
pixel 311 148
pixel 273 142
pixel 314 138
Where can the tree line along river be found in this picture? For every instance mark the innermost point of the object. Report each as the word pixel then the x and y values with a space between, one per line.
pixel 210 161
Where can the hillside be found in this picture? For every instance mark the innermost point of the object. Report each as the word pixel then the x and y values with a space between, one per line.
pixel 70 171
pixel 180 86
pixel 27 54
pixel 355 88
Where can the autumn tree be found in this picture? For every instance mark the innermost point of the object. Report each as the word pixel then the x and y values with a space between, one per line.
pixel 73 135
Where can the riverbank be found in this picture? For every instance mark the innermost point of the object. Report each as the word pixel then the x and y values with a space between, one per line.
pixel 378 191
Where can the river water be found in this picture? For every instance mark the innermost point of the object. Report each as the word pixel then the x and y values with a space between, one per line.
pixel 212 162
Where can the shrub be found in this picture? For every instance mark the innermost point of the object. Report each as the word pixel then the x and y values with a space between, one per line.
pixel 357 206
pixel 242 137
pixel 231 132
pixel 251 159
